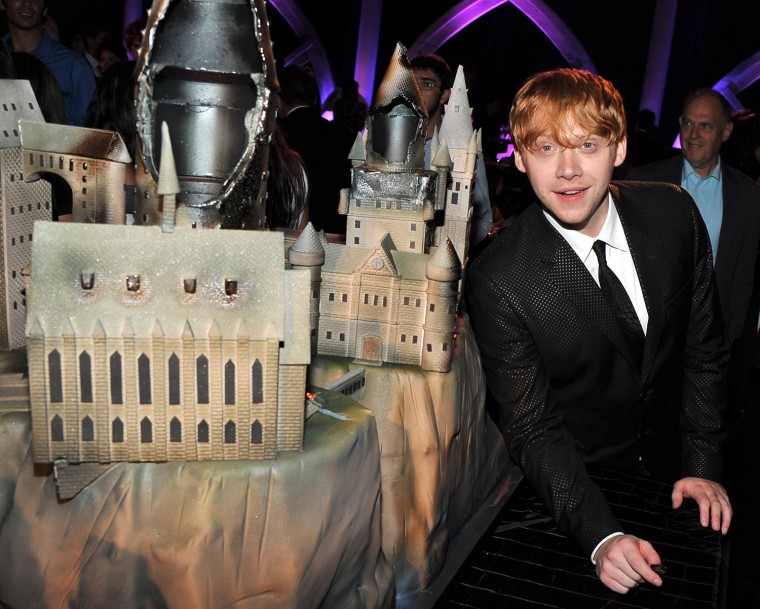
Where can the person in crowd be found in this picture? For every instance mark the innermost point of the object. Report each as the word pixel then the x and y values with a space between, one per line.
pixel 350 109
pixel 435 78
pixel 599 326
pixel 728 201
pixel 133 35
pixel 51 104
pixel 490 116
pixel 7 70
pixel 645 142
pixel 112 104
pixel 27 35
pixel 88 38
pixel 287 186
pixel 109 53
pixel 322 145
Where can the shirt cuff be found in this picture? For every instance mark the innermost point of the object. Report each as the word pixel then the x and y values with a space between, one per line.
pixel 599 545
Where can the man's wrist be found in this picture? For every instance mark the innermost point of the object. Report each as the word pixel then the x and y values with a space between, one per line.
pixel 601 543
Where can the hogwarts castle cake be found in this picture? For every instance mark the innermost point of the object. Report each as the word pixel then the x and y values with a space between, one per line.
pixel 180 358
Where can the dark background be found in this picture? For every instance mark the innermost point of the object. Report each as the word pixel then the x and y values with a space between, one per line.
pixel 711 38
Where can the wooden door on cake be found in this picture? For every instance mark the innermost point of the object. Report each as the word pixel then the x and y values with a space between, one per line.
pixel 372 348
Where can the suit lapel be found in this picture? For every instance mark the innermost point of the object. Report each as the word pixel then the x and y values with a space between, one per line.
pixel 571 279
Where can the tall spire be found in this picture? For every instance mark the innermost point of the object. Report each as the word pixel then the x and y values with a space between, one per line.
pixel 168 183
pixel 456 127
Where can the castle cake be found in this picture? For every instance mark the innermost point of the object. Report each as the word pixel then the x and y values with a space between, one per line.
pixel 21 203
pixel 93 162
pixel 169 365
pixel 390 294
pixel 211 347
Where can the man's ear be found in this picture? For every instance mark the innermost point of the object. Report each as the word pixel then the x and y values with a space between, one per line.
pixel 729 127
pixel 519 161
pixel 620 150
pixel 445 94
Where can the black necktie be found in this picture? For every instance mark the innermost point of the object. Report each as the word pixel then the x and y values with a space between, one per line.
pixel 620 302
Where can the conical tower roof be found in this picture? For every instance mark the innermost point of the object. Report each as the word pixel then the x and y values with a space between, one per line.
pixel 456 128
pixel 398 82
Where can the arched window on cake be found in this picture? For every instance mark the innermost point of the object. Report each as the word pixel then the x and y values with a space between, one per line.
pixel 54 376
pixel 56 429
pixel 257 432
pixel 173 379
pixel 116 384
pixel 146 431
pixel 257 386
pixel 143 376
pixel 175 430
pixel 117 430
pixel 229 432
pixel 201 378
pixel 229 383
pixel 203 431
pixel 88 429
pixel 85 377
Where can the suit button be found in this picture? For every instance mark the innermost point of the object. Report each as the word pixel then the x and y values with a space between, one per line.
pixel 643 396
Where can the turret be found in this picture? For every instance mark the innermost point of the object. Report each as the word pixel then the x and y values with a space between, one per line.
pixel 308 253
pixel 443 271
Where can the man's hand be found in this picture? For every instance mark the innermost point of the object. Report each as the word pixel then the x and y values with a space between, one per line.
pixel 623 562
pixel 714 507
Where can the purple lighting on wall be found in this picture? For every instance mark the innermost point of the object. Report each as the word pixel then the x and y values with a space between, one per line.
pixel 738 79
pixel 311 49
pixel 366 48
pixel 133 10
pixel 656 74
pixel 467 11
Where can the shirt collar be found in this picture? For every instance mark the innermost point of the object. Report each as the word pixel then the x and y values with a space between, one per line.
pixel 690 173
pixel 612 233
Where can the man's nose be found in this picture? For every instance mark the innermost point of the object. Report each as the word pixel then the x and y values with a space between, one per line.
pixel 568 166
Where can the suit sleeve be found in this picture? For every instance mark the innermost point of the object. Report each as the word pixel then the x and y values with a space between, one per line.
pixel 531 421
pixel 705 365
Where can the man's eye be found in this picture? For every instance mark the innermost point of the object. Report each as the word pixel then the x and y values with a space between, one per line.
pixel 587 145
pixel 706 126
pixel 546 148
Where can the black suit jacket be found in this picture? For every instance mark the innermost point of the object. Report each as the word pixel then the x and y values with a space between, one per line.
pixel 739 239
pixel 569 392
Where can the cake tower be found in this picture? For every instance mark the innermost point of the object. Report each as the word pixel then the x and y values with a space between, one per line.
pixel 384 296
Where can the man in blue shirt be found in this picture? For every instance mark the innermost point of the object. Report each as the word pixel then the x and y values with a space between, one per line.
pixel 728 201
pixel 71 70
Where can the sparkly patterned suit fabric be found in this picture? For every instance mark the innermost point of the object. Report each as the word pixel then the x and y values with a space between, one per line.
pixel 569 389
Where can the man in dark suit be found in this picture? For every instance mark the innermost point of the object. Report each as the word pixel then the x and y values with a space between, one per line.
pixel 728 200
pixel 576 385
